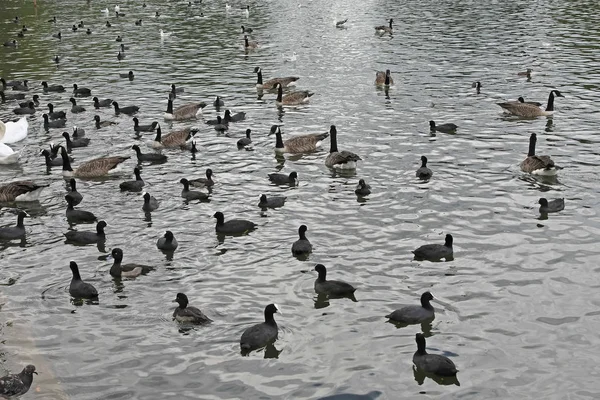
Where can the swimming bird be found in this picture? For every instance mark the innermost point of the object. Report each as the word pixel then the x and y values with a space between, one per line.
pixel 164 34
pixel 133 186
pixel 93 168
pixel 282 179
pixel 270 84
pixel 435 252
pixel 129 75
pixel 535 103
pixel 538 165
pixel 148 157
pixel 20 191
pixel 340 24
pixel 21 86
pixel 87 237
pixel 175 90
pixel 340 159
pixel 75 196
pixel 551 206
pixel 331 288
pixel 526 73
pixel 220 125
pixel 243 142
pixel 167 242
pixel 445 128
pixel 78 133
pixel 56 162
pixel 381 29
pixel 8 155
pixel 302 246
pixel 297 144
pixel 432 363
pixel 233 226
pixel 102 124
pixel 59 123
pixel 218 102
pixel 187 313
pixel 81 91
pixel 57 35
pixel 52 20
pixel 186 111
pixel 75 142
pixel 292 99
pixel 150 203
pixel 178 138
pixel 11 96
pixel 89 31
pixel 119 38
pixel 30 109
pixel 228 117
pixel 383 78
pixel 55 114
pixel 75 109
pixel 17 384
pixel 35 99
pixel 119 270
pixel 13 132
pixel 271 202
pixel 530 110
pixel 260 335
pixel 477 86
pixel 74 215
pixel 102 103
pixel 108 24
pixel 247 30
pixel 120 55
pixel 129 110
pixel 14 232
pixel 11 43
pixel 138 22
pixel 78 288
pixel 362 189
pixel 53 88
pixel 414 314
pixel 423 172
pixel 248 44
pixel 200 182
pixel 143 128
pixel 188 194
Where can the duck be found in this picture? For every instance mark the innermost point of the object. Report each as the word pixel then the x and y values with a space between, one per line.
pixel 35 99
pixel 30 109
pixel 21 86
pixel 74 215
pixel 249 45
pixel 20 191
pixel 432 363
pixel 538 165
pixel 551 206
pixel 362 189
pixel 187 313
pixel 129 75
pixel 477 86
pixel 74 143
pixel 52 20
pixel 14 232
pixel 270 84
pixel 220 125
pixel 138 22
pixel 102 124
pixel 50 162
pixel 235 117
pixel 120 55
pixel 530 110
pixel 17 384
pixel 381 29
pixel 133 186
pixel 282 179
pixel 102 103
pixel 108 24
pixel 271 202
pixel 298 144
pixel 233 226
pixel 291 99
pixel 88 31
pixel 246 141
pixel 13 132
pixel 176 138
pixel 260 335
pixel 119 270
pixel 148 157
pixel 302 246
pixel 435 252
pixel 167 242
pixel 444 128
pixel 150 203
pixel 78 132
pixel 423 172
pixel 87 237
pixel 383 78
pixel 11 96
pixel 119 38
pixel 81 91
pixel 218 102
pixel 11 43
pixel 247 30
pixel 414 314
pixel 80 24
pixel 200 182
pixel 143 128
pixel 59 123
pixel 129 110
pixel 340 159
pixel 75 109
pixel 57 35
pixel 525 73
pixel 188 194
pixel 93 168
pixel 78 288
pixel 75 196
pixel 53 88
pixel 331 288
pixel 8 155
pixel 181 113
pixel 55 114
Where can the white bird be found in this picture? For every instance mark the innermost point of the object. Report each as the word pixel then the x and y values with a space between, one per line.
pixel 8 155
pixel 291 58
pixel 105 11
pixel 227 7
pixel 247 11
pixel 164 34
pixel 13 132
pixel 117 8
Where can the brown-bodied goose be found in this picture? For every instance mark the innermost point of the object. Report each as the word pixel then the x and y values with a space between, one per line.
pixel 530 110
pixel 385 29
pixel 537 165
pixel 297 144
pixel 248 44
pixel 383 78
pixel 535 103
pixel 270 84
pixel 90 169
pixel 181 113
pixel 291 99
pixel 20 191
pixel 175 138
pixel 339 159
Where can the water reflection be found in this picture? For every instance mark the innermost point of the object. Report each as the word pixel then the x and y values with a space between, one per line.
pixel 420 376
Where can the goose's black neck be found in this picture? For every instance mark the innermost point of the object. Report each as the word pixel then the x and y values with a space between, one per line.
pixel 278 140
pixel 387 78
pixel 333 140
pixel 425 303
pixel 65 158
pixel 186 185
pixel 138 177
pixel 532 141
pixel 170 107
pixel 100 230
pixel 20 219
pixel 550 106
pixel 260 81
pixel 279 93
pixel 158 133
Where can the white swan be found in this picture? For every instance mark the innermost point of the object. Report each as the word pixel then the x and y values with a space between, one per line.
pixel 8 155
pixel 117 8
pixel 13 132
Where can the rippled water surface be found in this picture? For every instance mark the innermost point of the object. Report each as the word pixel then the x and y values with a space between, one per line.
pixel 517 308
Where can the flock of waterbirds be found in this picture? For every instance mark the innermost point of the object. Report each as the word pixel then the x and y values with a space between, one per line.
pixel 14 94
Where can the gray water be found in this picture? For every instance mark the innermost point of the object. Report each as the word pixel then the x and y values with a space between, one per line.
pixel 516 309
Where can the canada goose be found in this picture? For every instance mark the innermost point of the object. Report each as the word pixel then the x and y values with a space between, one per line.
pixel 81 92
pixel 149 157
pixel 385 29
pixel 535 103
pixel 201 182
pixel 75 109
pixel 339 159
pixel 435 252
pixel 187 313
pixel 362 189
pixel 143 128
pixel 233 226
pixel 302 246
pixel 55 115
pixel 477 86
pixel 102 103
pixel 529 110
pixel 291 99
pixel 537 165
pixel 243 142
pixel 186 111
pixel 383 78
pixel 332 288
pixel 188 194
pixel 53 88
pixel 233 118
pixel 526 73
pixel 59 123
pixel 129 110
pixel 129 75
pixel 176 90
pixel 121 55
pixel 298 144
pixel 102 124
pixel 432 363
pixel 175 138
pixel 14 232
pixel 270 84
pixel 90 169
pixel 445 128
pixel 423 172
pixel 249 45
pixel 551 206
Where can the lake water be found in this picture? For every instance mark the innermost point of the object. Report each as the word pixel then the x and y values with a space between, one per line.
pixel 517 308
